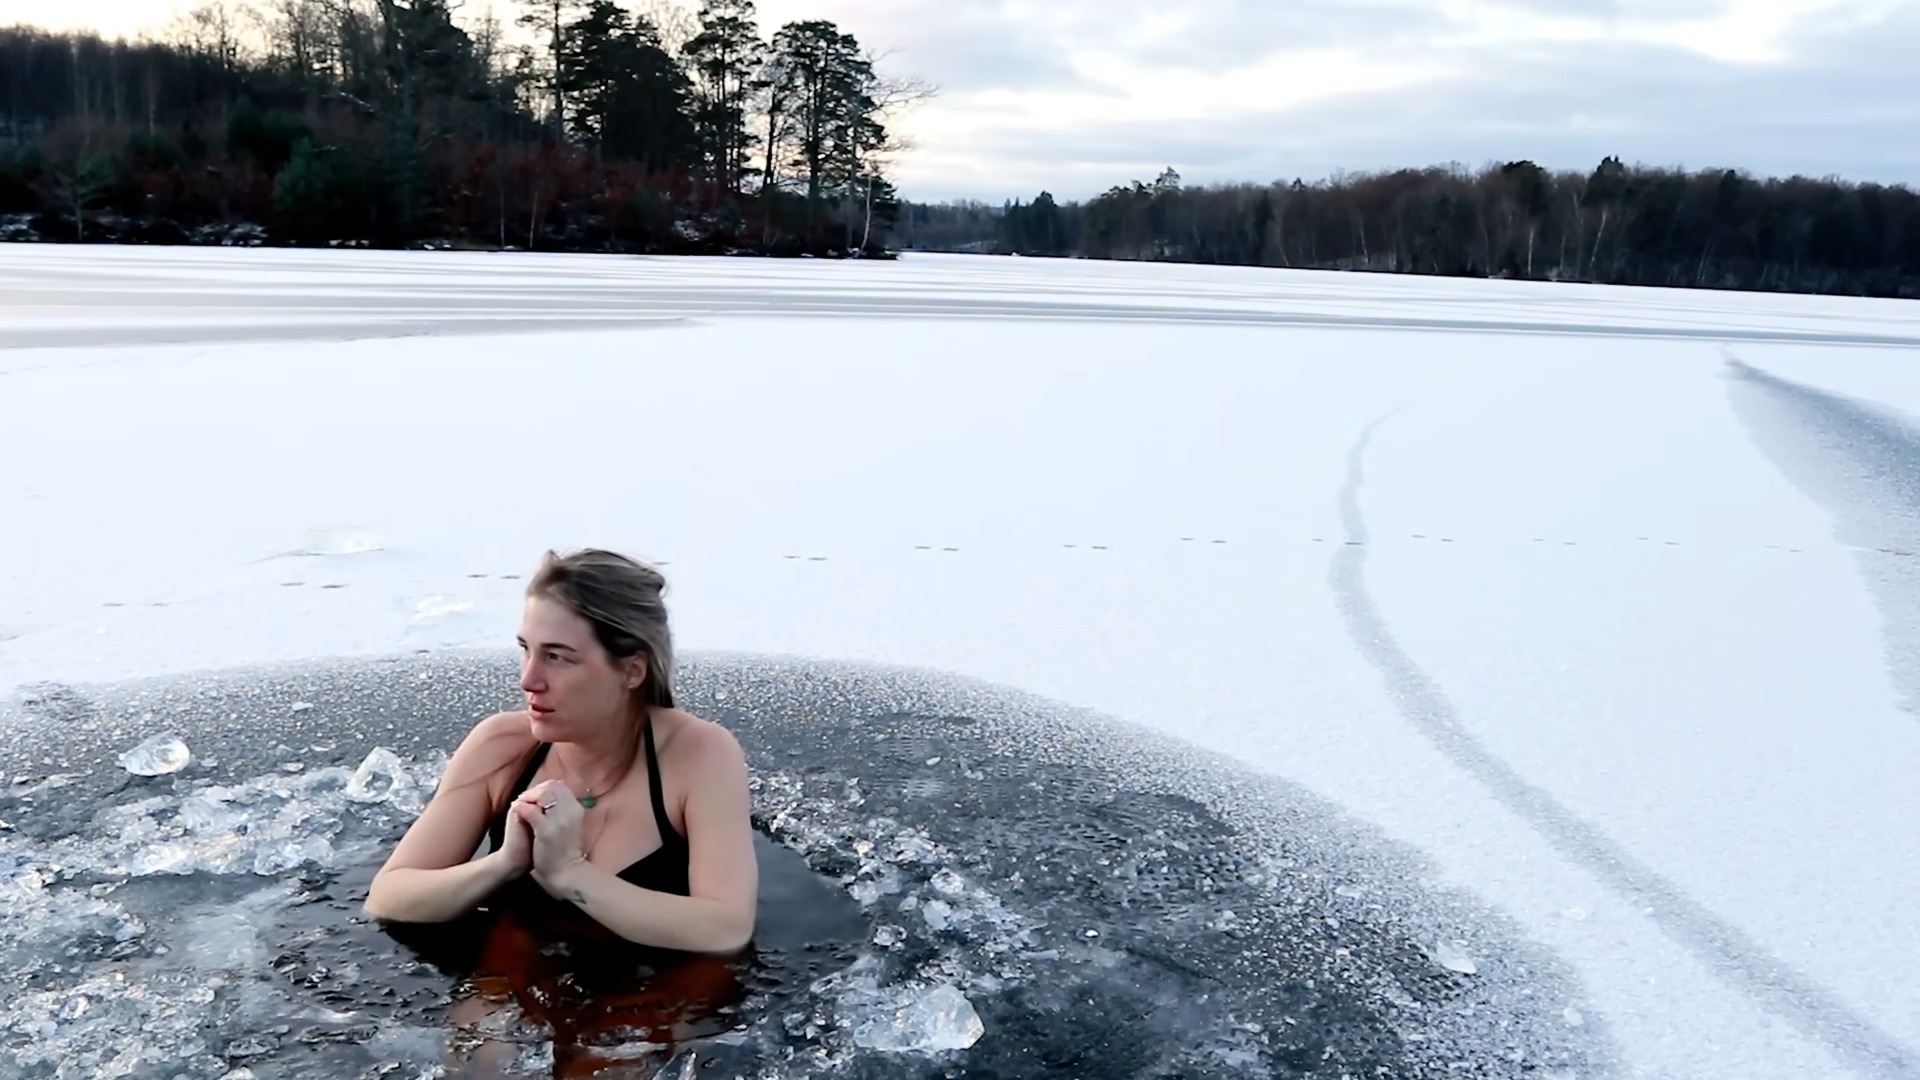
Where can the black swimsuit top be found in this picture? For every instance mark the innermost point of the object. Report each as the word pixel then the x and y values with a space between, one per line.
pixel 664 869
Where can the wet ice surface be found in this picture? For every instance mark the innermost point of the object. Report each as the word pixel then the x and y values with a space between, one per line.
pixel 1023 892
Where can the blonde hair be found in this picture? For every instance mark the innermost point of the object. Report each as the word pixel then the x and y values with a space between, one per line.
pixel 622 599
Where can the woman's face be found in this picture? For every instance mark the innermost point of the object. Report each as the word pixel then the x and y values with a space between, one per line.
pixel 573 690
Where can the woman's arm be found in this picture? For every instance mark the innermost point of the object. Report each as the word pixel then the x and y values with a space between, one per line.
pixel 432 875
pixel 723 878
pixel 412 894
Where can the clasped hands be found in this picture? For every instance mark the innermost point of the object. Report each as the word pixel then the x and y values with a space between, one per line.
pixel 543 834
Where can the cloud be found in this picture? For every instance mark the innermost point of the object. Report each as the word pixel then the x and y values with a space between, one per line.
pixel 1825 89
pixel 960 45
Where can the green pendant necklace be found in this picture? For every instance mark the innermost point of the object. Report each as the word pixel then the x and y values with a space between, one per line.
pixel 588 800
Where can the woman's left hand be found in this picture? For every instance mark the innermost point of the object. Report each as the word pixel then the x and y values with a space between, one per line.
pixel 555 816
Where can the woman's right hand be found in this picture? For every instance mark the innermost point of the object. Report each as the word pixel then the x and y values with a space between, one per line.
pixel 516 844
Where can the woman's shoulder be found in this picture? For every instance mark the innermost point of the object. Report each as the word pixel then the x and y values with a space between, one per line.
pixel 492 744
pixel 699 743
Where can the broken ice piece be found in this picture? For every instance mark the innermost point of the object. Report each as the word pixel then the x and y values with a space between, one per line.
pixel 157 756
pixel 383 777
pixel 1452 957
pixel 940 1019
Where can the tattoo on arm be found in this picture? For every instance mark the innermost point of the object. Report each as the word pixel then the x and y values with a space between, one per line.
pixel 579 898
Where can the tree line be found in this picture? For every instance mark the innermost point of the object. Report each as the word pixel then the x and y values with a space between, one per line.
pixel 599 127
pixel 1617 224
pixel 392 122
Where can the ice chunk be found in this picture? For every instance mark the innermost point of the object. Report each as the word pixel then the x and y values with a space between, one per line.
pixel 383 777
pixel 929 1022
pixel 288 854
pixel 948 882
pixel 420 1047
pixel 157 756
pixel 225 941
pixel 210 812
pixel 1451 956
pixel 938 913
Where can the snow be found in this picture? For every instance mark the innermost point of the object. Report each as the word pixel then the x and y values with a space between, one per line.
pixel 1596 656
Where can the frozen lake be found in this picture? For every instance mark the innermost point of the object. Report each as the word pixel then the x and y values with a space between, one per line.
pixel 1604 601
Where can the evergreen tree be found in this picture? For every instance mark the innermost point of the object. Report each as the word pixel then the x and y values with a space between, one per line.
pixel 723 60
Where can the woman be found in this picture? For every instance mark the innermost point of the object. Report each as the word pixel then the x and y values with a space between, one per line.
pixel 600 798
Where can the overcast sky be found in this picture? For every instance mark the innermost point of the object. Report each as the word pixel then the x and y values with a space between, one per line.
pixel 1077 95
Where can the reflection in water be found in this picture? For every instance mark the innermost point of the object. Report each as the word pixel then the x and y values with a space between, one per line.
pixel 538 977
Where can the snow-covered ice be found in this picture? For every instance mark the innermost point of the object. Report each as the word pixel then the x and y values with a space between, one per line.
pixel 1603 599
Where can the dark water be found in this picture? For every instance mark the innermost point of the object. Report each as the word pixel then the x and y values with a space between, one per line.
pixel 588 996
pixel 958 881
pixel 473 996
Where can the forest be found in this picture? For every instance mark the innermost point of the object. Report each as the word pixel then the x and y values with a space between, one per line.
pixel 1618 224
pixel 582 125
